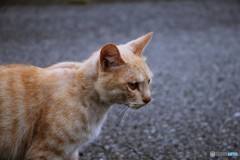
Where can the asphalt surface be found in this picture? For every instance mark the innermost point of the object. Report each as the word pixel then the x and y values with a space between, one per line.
pixel 194 54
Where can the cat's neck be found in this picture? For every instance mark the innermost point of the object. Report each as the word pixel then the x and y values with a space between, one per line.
pixel 87 76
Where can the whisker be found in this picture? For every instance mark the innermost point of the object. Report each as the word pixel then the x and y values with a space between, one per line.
pixel 120 115
pixel 154 67
pixel 152 108
pixel 153 90
pixel 150 104
pixel 156 100
pixel 155 93
pixel 124 117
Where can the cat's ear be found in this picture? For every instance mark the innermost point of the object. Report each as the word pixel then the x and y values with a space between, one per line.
pixel 110 57
pixel 137 46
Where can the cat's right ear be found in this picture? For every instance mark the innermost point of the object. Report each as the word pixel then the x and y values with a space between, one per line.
pixel 110 57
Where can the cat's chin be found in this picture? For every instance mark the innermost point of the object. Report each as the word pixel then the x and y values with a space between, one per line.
pixel 136 106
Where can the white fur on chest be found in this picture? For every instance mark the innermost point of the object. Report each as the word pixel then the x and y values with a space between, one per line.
pixel 95 129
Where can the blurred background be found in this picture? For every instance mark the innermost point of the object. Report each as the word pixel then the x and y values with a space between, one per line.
pixel 194 54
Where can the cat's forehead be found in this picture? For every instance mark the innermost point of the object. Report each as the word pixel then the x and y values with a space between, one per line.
pixel 142 74
pixel 138 66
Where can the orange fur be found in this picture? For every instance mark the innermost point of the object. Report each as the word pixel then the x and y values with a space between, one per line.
pixel 48 113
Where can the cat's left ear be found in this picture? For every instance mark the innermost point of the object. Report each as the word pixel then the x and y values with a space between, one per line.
pixel 110 57
pixel 137 46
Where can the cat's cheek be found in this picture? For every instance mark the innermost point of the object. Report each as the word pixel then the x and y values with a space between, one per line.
pixel 131 96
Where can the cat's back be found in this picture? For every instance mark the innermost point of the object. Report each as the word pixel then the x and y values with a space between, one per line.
pixel 14 70
pixel 15 80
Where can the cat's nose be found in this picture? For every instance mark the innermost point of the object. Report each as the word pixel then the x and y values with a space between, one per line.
pixel 147 100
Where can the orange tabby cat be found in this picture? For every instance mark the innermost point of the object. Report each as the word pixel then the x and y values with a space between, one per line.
pixel 48 113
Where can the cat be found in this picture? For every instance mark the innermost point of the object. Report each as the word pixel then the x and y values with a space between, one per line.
pixel 49 113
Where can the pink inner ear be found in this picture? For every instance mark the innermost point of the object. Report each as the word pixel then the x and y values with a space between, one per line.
pixel 110 57
pixel 137 48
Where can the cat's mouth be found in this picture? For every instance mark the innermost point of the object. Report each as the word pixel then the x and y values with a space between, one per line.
pixel 136 106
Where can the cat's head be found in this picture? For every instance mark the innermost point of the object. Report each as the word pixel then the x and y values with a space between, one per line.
pixel 124 76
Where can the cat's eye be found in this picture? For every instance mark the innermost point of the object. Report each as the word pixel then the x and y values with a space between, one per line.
pixel 149 81
pixel 133 85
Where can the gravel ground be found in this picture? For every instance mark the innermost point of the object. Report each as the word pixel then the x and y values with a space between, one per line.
pixel 194 54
